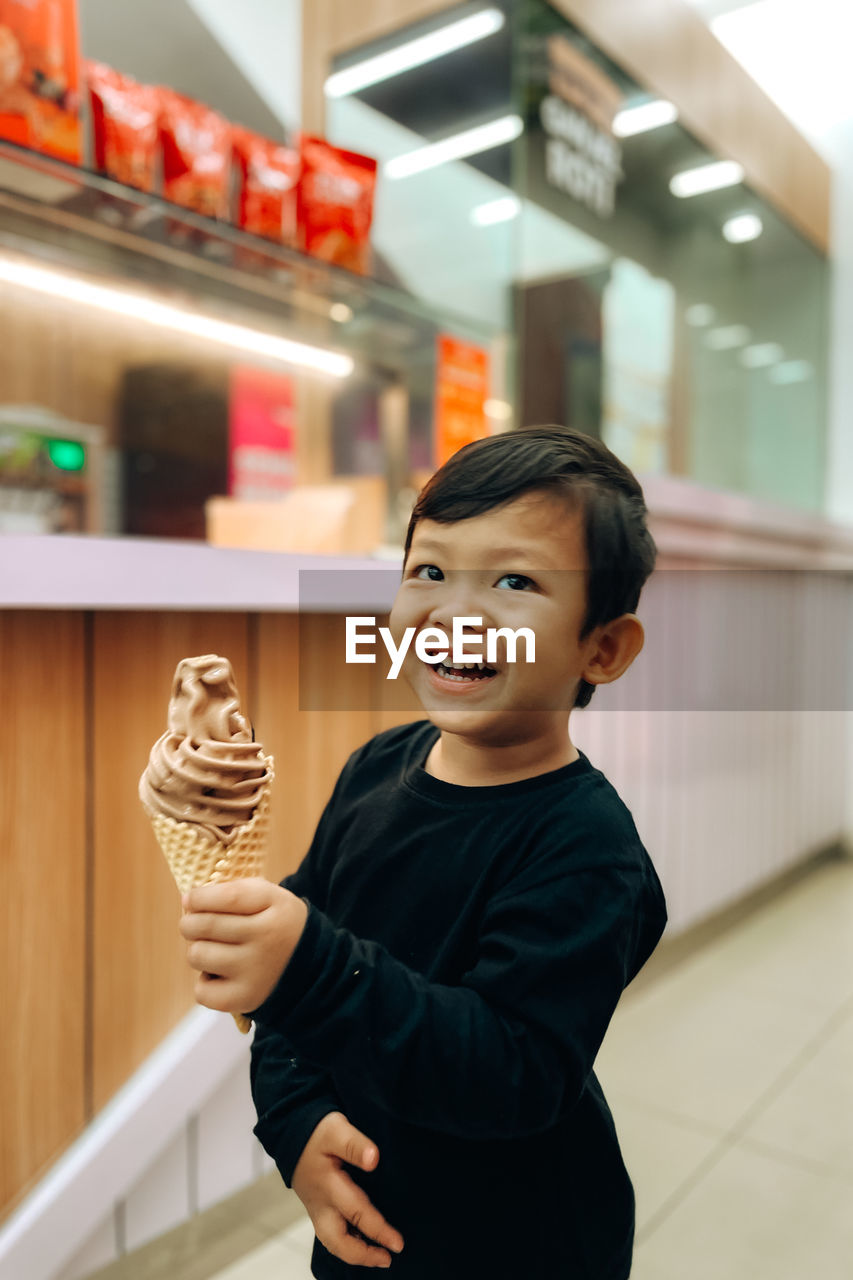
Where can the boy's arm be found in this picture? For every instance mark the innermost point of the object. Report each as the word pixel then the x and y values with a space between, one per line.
pixel 506 1052
pixel 291 1098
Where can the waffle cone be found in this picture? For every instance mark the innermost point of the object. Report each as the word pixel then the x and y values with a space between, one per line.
pixel 195 857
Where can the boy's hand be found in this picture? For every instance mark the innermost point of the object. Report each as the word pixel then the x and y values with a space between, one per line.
pixel 241 935
pixel 340 1211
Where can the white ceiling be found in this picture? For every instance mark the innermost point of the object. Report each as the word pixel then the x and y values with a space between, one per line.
pixel 799 52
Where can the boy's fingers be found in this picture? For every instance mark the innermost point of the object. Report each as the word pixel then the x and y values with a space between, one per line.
pixel 355 1206
pixel 352 1249
pixel 240 897
pixel 214 927
pixel 350 1144
pixel 216 958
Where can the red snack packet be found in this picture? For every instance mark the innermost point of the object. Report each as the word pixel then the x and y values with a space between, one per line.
pixel 196 145
pixel 40 76
pixel 125 126
pixel 335 204
pixel 269 174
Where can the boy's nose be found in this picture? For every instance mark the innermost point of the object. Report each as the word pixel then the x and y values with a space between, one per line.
pixel 461 599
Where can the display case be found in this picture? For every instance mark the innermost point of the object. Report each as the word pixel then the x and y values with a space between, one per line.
pixel 533 260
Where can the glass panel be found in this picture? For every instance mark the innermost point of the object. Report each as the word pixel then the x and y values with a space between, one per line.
pixel 688 351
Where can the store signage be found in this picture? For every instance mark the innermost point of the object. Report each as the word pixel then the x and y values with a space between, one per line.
pixel 262 437
pixel 462 389
pixel 582 156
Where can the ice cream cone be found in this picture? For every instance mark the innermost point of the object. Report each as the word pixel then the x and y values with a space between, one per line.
pixel 195 857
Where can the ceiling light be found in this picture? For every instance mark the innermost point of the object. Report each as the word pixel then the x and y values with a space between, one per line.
pixel 791 371
pixel 502 210
pixel 456 147
pixel 649 115
pixel 706 177
pixel 728 337
pixel 500 410
pixel 340 312
pixel 414 53
pixel 136 306
pixel 699 315
pixel 761 354
pixel 743 227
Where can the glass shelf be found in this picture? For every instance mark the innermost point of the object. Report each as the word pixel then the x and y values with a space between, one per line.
pixel 73 218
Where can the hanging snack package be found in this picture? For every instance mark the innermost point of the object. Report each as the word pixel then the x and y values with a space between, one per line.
pixel 125 126
pixel 40 76
pixel 335 205
pixel 196 144
pixel 269 173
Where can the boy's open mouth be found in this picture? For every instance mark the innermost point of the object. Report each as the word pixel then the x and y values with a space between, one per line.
pixel 464 673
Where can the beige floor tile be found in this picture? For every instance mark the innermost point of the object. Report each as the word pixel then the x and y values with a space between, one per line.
pixel 702 1047
pixel 799 946
pixel 300 1236
pixel 659 1151
pixel 192 1252
pixel 271 1261
pixel 812 1117
pixel 753 1218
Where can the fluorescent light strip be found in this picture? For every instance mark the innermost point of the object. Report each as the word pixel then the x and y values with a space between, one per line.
pixel 791 371
pixel 742 228
pixel 414 53
pixel 57 284
pixel 707 177
pixel 727 337
pixel 699 315
pixel 469 143
pixel 649 115
pixel 494 211
pixel 761 355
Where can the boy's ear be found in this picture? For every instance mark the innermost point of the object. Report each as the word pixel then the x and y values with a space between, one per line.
pixel 616 645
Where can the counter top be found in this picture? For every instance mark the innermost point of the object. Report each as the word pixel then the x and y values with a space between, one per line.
pixel 79 572
pixel 693 527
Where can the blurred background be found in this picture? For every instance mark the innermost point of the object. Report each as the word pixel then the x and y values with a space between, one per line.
pixel 263 268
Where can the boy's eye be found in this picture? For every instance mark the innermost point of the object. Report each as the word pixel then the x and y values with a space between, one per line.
pixel 517 581
pixel 429 573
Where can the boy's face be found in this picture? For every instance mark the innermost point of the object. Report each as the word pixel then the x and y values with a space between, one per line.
pixel 521 565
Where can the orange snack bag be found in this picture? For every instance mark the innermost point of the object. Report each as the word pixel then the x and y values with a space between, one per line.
pixel 196 145
pixel 269 173
pixel 125 126
pixel 335 204
pixel 40 76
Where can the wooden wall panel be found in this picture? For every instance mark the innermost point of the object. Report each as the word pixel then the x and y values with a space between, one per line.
pixel 43 773
pixel 310 747
pixel 141 983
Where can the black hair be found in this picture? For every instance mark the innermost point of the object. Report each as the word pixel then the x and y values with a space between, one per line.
pixel 492 472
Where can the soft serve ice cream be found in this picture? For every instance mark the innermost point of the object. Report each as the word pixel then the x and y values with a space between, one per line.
pixel 205 769
pixel 206 787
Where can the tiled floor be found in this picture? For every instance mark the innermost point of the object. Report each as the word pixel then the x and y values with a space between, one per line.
pixel 731 1080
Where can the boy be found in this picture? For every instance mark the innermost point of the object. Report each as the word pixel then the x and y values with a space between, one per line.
pixel 431 987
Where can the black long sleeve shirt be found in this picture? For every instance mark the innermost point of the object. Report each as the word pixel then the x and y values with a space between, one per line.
pixel 464 952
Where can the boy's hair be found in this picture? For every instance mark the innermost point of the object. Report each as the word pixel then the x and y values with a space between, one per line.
pixel 492 472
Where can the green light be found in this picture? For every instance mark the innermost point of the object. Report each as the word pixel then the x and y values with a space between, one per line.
pixel 67 455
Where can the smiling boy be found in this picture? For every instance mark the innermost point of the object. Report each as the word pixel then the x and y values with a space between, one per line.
pixel 431 987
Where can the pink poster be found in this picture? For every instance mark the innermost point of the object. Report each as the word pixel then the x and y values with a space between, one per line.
pixel 262 434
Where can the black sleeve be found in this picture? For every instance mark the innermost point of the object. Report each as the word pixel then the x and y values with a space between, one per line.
pixel 507 1051
pixel 292 1096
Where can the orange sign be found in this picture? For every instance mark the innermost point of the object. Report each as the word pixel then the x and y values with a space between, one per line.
pixel 461 392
